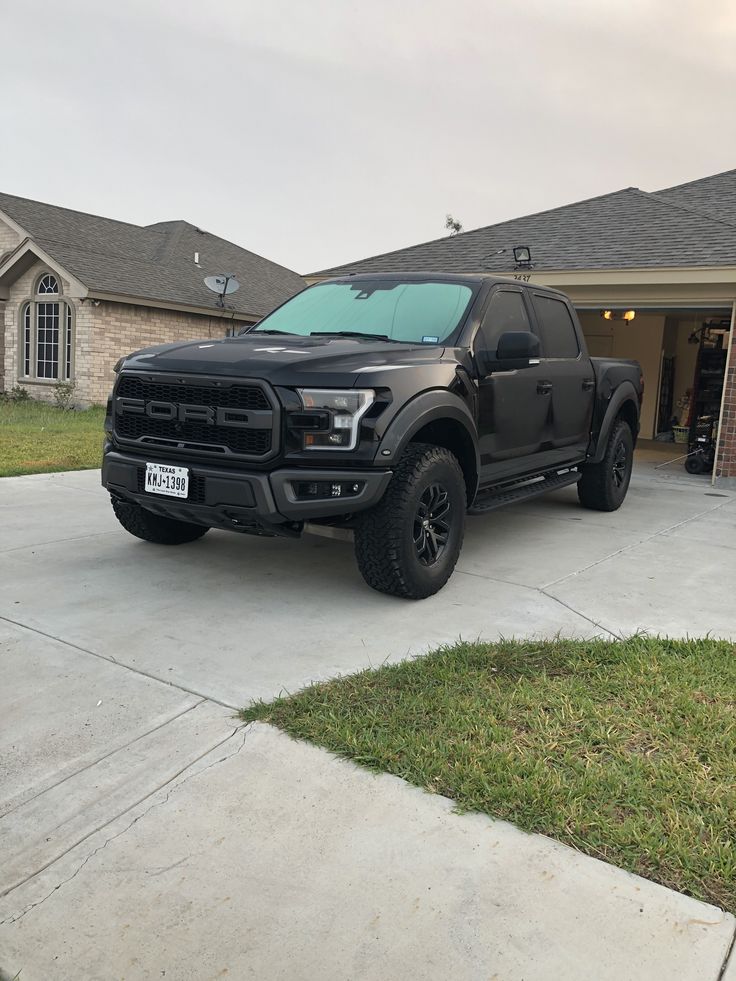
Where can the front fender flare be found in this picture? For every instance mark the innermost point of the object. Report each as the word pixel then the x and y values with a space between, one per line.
pixel 432 406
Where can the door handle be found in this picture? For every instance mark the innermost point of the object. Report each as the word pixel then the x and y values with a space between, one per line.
pixel 544 387
pixel 588 384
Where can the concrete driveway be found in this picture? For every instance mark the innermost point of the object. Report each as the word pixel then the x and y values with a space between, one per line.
pixel 144 831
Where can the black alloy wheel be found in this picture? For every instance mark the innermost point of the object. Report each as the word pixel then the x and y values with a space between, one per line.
pixel 432 524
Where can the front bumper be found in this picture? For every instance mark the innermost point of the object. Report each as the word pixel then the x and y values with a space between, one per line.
pixel 241 500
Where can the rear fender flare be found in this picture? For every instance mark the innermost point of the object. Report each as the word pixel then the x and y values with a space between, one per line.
pixel 623 394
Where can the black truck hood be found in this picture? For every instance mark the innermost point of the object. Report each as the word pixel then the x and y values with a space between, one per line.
pixel 285 360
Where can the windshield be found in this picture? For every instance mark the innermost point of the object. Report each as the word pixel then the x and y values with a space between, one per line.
pixel 417 313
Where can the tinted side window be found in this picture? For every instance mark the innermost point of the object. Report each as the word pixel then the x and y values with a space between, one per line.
pixel 559 339
pixel 506 312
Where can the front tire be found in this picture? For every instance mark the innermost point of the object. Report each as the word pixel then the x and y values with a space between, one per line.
pixel 603 485
pixel 409 543
pixel 155 527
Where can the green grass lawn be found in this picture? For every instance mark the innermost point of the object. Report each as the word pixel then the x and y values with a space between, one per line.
pixel 39 438
pixel 626 751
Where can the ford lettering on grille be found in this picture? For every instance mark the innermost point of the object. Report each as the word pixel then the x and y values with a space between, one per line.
pixel 221 417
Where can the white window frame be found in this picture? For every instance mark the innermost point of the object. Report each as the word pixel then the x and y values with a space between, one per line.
pixel 33 313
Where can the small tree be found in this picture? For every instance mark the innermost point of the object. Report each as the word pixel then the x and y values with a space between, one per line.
pixel 453 225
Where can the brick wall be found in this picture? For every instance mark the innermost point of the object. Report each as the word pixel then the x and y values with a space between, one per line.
pixel 725 469
pixel 102 334
pixel 8 241
pixel 116 329
pixel 8 238
pixel 19 292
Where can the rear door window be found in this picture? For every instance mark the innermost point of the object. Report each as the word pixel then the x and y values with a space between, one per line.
pixel 506 311
pixel 558 336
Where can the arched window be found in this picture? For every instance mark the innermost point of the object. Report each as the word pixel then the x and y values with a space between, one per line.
pixel 47 333
pixel 48 284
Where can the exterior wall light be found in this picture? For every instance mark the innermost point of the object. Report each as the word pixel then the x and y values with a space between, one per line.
pixel 607 314
pixel 522 256
pixel 628 315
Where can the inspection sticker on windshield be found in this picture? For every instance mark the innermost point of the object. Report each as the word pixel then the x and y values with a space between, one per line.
pixel 427 339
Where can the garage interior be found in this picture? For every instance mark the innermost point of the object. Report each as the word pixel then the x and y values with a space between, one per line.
pixel 683 354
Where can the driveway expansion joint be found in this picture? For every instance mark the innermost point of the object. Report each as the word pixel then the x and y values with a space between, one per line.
pixel 120 664
pixel 242 728
pixel 100 759
pixel 633 545
pixel 727 958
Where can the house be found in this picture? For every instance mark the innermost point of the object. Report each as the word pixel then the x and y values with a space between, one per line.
pixel 653 277
pixel 77 291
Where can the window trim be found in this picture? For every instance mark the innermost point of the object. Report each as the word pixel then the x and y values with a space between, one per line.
pixel 28 311
pixel 506 288
pixel 540 332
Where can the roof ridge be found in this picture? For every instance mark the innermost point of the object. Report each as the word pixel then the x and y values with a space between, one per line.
pixel 74 211
pixel 483 228
pixel 654 195
pixel 699 180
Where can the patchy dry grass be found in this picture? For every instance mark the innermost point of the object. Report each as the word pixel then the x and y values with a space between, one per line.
pixel 626 751
pixel 39 438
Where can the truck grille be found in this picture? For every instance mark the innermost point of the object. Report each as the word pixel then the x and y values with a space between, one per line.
pixel 256 441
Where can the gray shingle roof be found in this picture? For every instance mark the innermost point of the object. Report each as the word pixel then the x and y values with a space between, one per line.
pixel 151 262
pixel 624 229
pixel 714 196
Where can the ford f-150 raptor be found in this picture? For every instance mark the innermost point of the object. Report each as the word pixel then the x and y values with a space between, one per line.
pixel 391 404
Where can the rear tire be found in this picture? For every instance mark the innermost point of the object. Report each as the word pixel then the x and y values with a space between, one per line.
pixel 408 544
pixel 155 527
pixel 603 485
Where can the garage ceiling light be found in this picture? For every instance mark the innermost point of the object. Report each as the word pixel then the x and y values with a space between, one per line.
pixel 627 315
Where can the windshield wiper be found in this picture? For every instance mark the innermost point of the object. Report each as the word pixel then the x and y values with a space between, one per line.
pixel 354 333
pixel 287 332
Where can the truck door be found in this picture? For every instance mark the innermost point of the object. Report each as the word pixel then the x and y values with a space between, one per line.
pixel 514 417
pixel 569 371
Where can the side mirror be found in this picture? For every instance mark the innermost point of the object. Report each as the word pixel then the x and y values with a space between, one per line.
pixel 516 349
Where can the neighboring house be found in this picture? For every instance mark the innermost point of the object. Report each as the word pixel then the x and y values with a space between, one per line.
pixel 77 291
pixel 668 257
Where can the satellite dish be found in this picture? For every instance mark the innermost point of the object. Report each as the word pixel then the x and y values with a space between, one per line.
pixel 222 284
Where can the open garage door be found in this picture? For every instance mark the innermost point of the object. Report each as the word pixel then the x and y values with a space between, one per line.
pixel 683 355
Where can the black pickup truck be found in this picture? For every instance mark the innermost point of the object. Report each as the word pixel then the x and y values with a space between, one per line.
pixel 389 404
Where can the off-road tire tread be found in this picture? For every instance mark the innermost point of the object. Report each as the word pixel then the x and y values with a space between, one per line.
pixel 154 527
pixel 595 486
pixel 378 531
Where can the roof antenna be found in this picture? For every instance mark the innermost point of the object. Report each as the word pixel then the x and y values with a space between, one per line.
pixel 222 284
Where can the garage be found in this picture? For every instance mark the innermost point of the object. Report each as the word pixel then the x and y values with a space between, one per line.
pixel 653 277
pixel 683 355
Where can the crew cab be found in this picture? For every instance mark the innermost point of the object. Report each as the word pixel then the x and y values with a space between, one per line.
pixel 392 404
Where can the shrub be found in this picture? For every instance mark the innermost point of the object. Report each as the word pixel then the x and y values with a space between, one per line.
pixel 63 395
pixel 16 394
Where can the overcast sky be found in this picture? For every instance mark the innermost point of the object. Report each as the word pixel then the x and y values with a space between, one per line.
pixel 323 131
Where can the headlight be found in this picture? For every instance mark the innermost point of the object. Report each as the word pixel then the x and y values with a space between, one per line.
pixel 119 364
pixel 344 410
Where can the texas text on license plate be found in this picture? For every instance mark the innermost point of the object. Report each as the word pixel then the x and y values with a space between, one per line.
pixel 172 481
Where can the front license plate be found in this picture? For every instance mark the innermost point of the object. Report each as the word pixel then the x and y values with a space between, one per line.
pixel 171 481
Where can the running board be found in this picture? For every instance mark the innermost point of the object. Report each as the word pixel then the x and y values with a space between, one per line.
pixel 490 500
